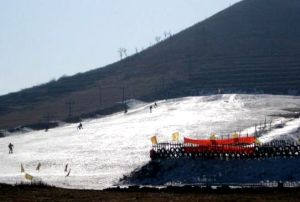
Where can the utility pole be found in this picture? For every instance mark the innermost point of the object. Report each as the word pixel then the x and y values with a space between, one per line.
pixel 47 118
pixel 123 88
pixel 204 36
pixel 100 95
pixel 123 97
pixel 70 104
pixel 162 87
pixel 189 67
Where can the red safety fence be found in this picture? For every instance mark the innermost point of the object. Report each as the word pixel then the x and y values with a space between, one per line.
pixel 229 141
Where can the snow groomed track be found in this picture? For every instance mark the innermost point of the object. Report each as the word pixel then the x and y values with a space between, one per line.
pixel 113 146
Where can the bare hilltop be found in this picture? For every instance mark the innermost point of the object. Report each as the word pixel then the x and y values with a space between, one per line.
pixel 250 47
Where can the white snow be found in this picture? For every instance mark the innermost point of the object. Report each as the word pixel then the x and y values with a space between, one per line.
pixel 109 147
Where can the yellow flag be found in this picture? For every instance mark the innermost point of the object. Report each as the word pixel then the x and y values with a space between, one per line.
pixel 68 173
pixel 154 140
pixel 235 135
pixel 257 141
pixel 213 136
pixel 175 136
pixel 28 177
pixel 22 168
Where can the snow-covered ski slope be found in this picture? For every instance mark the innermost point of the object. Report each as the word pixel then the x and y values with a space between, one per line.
pixel 112 146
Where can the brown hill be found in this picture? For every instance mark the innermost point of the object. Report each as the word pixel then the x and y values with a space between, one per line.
pixel 253 46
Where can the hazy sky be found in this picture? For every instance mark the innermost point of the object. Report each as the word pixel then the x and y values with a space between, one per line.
pixel 42 40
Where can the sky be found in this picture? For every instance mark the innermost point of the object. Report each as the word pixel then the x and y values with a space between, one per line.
pixel 42 40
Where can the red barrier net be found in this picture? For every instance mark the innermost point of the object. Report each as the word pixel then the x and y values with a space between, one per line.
pixel 230 141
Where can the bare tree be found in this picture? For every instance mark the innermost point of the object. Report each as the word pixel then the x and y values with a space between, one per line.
pixel 157 39
pixel 120 51
pixel 125 52
pixel 166 34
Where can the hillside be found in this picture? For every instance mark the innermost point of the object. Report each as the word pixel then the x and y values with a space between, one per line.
pixel 252 46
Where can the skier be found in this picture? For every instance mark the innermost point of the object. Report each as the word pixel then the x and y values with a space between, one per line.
pixel 150 108
pixel 10 147
pixel 66 168
pixel 155 105
pixel 79 127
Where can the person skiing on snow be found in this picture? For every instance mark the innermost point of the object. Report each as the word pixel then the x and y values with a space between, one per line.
pixel 10 147
pixel 80 126
pixel 66 168
pixel 150 108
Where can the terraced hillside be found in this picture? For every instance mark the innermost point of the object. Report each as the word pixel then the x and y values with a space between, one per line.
pixel 253 46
